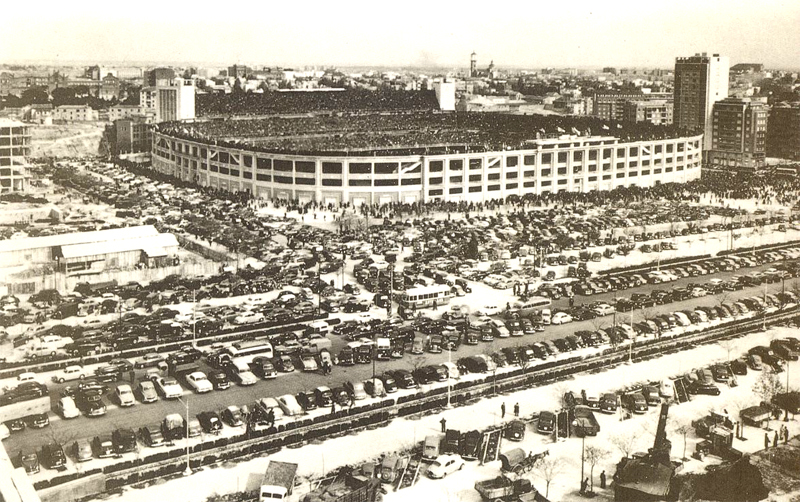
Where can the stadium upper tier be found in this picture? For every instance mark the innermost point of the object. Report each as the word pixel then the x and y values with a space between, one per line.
pixel 402 133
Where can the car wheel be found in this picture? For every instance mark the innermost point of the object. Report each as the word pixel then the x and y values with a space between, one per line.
pixel 61 380
pixel 81 377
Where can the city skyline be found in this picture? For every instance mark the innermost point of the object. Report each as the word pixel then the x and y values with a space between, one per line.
pixel 621 34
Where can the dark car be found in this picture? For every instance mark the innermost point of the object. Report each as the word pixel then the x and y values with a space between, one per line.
pixel 346 357
pixel 52 456
pixel 219 379
pixel 37 421
pixel 124 440
pixel 210 422
pixel 738 367
pixel 511 355
pixel 103 446
pixel 341 396
pixel 700 388
pixel 15 425
pixel 152 436
pixel 547 422
pixel 635 402
pixel 264 368
pixel 29 461
pixel 108 374
pixel 323 396
pixel 123 364
pixel 389 383
pixel 403 378
pixel 515 430
pixel 307 399
pixel 608 403
pixel 284 364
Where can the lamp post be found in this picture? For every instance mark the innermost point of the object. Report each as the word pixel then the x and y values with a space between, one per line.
pixel 188 470
pixel 450 361
pixel 194 318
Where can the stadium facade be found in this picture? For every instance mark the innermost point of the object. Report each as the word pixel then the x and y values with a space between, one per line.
pixel 568 163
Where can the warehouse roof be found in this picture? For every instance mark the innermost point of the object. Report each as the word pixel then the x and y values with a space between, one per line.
pixel 155 244
pixel 77 238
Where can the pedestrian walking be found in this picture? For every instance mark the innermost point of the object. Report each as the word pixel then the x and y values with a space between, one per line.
pixel 516 410
pixel 443 421
pixel 503 410
pixel 571 302
pixel 766 440
pixel 775 439
pixel 132 376
pixel 603 479
pixel 584 485
pixel 333 407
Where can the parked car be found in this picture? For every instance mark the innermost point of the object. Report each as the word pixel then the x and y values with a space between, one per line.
pixel 82 450
pixel 232 415
pixel 199 383
pixel 152 436
pixel 124 395
pixel 52 456
pixel 103 446
pixel 146 391
pixel 210 422
pixel 444 465
pixel 168 387
pixel 29 461
pixel 67 408
pixel 124 441
pixel 69 373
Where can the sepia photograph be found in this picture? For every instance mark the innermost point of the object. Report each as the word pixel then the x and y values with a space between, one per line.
pixel 400 252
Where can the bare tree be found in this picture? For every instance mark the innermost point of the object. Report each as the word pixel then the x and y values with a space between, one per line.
pixel 722 297
pixel 524 362
pixel 684 430
pixel 594 455
pixel 768 386
pixel 549 468
pixel 625 442
pixel 728 344
pixel 418 361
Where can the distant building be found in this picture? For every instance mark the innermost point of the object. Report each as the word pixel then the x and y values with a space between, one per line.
pixel 147 99
pixel 175 101
pixel 238 71
pixel 739 130
pixel 132 135
pixel 657 111
pixel 38 114
pixel 75 113
pixel 610 105
pixel 117 112
pixel 609 69
pixel 15 141
pixel 446 95
pixel 159 77
pixel 109 88
pixel 473 65
pixel 700 81
pixel 783 131
pixel 747 68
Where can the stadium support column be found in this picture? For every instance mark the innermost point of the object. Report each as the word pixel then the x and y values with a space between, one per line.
pixel 318 181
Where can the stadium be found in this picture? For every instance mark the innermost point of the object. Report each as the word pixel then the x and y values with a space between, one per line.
pixel 378 148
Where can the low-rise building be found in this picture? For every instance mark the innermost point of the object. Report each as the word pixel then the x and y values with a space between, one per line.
pixel 118 112
pixel 658 111
pixel 75 113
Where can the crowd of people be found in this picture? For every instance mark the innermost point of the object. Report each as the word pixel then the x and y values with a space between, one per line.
pixel 405 133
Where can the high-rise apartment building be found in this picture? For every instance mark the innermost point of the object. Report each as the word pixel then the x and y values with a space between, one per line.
pixel 783 131
pixel 738 134
pixel 700 81
pixel 175 101
pixel 15 146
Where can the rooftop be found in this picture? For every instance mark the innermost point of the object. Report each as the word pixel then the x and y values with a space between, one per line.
pixel 11 245
pixel 153 245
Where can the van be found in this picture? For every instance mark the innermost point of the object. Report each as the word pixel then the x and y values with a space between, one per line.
pixel 321 328
pixel 547 316
pixel 432 446
pixel 463 284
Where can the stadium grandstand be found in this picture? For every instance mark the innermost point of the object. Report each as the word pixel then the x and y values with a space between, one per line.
pixel 368 151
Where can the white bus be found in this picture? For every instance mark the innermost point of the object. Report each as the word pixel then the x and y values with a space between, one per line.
pixel 531 305
pixel 426 296
pixel 249 349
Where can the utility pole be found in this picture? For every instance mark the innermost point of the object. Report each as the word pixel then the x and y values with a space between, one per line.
pixel 194 318
pixel 188 470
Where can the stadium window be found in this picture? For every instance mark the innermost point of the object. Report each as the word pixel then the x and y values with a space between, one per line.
pixel 204 166
pixel 264 163
pixel 592 178
pixel 634 163
pixel 435 181
pixel 511 186
pixel 359 183
pixel 646 172
pixel 592 154
pixel 386 182
pixel 657 162
pixel 475 163
pixel 247 175
pixel 577 169
pixel 593 168
pixel 224 157
pixel 234 172
pixel 547 183
pixel 411 181
pixel 456 179
pixel 669 148
pixel 562 171
pixel 634 151
pixel 512 161
pixel 529 184
pixel 607 153
pixel 562 157
pixel 224 170
pixel 633 173
pixel 606 176
pixel 679 168
pixel 475 189
pixel 436 166
pixel 435 192
pixel 360 168
pixel 577 156
pixel 562 182
pixel 263 177
pixel 475 177
pixel 679 158
pixel 668 170
pixel 529 160
pixel 620 152
pixel 456 165
pixel 493 188
pixel 330 182
pixel 547 158
pixel 286 180
pixel 404 167
pixel 248 160
pixel 494 176
pixel 656 171
pixel 645 162
pixel 512 176
pixel 456 190
pixel 332 168
pixel 659 148
pixel 620 175
pixel 546 172
pixel 620 165
pixel 304 166
pixel 386 167
pixel 304 181
pixel 203 152
pixel 681 147
pixel 282 165
pixel 530 174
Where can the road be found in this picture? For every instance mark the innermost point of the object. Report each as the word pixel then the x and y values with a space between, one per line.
pixel 66 431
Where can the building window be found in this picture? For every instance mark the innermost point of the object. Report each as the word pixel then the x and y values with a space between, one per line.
pixel 592 154
pixel 547 183
pixel 234 172
pixel 360 168
pixel 493 188
pixel 511 186
pixel 562 171
pixel 494 176
pixel 303 166
pixel 546 172
pixel 411 181
pixel 620 152
pixel 475 189
pixel 475 163
pixel 512 161
pixel 248 160
pixel 645 172
pixel 606 176
pixel 530 174
pixel 577 169
pixel 592 178
pixel 620 175
pixel 475 177
pixel 304 181
pixel 264 163
pixel 330 182
pixel 359 183
pixel 282 165
pixel 456 190
pixel 263 177
pixel 547 158
pixel 512 176
pixel 634 151
pixel 577 156
pixel 562 182
pixel 435 192
pixel 529 184
pixel 436 166
pixel 332 168
pixel 435 181
pixel 529 160
pixel 386 167
pixel 456 179
pixel 386 183
pixel 456 165
pixel 562 157
pixel 224 170
pixel 286 180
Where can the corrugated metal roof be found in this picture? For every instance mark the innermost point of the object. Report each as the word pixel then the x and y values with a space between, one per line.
pixel 119 246
pixel 77 238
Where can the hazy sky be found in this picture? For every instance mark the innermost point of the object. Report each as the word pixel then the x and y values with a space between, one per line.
pixel 522 34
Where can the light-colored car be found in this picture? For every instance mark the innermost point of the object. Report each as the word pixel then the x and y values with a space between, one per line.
pixel 147 392
pixel 169 387
pixel 488 310
pixel 604 309
pixel 74 372
pixel 82 450
pixel 4 432
pixel 28 376
pixel 124 395
pixel 560 318
pixel 444 465
pixel 270 403
pixel 198 381
pixel 67 408
pixel 289 405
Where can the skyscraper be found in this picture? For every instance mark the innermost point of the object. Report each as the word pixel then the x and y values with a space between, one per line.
pixel 700 81
pixel 175 101
pixel 739 129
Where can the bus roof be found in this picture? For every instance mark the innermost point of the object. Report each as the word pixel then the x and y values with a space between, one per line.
pixel 424 290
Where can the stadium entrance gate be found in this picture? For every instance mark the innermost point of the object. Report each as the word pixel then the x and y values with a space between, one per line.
pixel 385 199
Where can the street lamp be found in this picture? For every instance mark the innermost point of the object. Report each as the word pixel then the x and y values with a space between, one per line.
pixel 188 470
pixel 450 362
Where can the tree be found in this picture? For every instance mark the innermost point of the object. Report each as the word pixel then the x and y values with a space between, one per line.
pixel 625 442
pixel 684 430
pixel 473 248
pixel 237 87
pixel 524 362
pixel 35 95
pixel 728 344
pixel 767 387
pixel 594 455
pixel 418 361
pixel 549 468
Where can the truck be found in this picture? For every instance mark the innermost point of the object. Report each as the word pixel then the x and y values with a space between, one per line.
pixel 22 409
pixel 584 422
pixel 503 488
pixel 181 370
pixel 278 481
